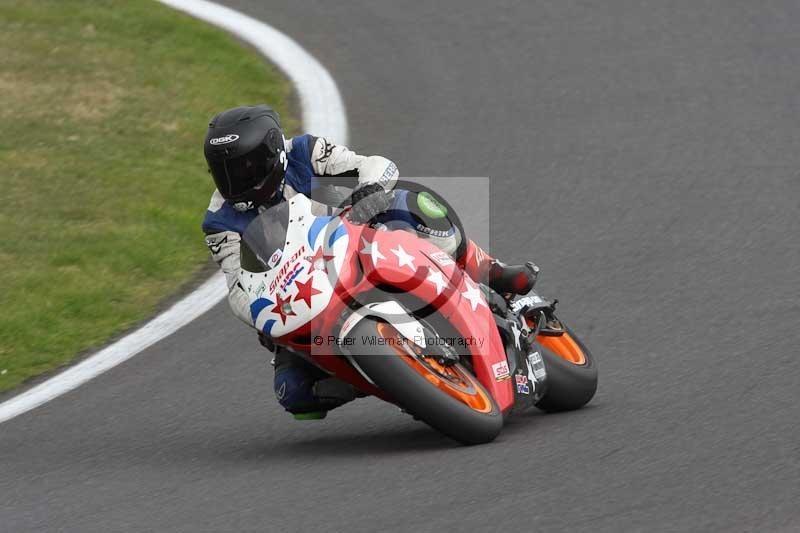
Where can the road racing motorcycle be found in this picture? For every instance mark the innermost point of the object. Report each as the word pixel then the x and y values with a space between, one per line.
pixel 394 316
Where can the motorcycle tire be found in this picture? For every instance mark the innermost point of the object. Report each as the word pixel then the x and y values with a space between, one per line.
pixel 571 372
pixel 461 409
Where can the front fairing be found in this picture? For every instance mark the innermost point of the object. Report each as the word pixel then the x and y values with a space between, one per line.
pixel 291 261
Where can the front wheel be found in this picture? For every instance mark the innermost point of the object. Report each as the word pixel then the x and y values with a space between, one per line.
pixel 571 372
pixel 447 398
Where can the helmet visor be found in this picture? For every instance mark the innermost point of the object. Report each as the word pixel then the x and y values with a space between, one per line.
pixel 236 176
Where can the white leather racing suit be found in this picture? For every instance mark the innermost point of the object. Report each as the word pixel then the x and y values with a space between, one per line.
pixel 310 160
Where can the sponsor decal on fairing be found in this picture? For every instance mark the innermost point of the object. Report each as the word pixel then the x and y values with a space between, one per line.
pixel 537 365
pixel 443 258
pixel 287 269
pixel 522 383
pixel 500 371
pixel 275 258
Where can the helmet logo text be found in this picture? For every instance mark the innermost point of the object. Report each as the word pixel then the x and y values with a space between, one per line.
pixel 224 140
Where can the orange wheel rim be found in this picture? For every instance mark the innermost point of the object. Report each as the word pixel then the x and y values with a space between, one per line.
pixel 565 347
pixel 453 380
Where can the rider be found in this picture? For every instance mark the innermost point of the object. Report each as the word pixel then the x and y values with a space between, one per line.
pixel 255 167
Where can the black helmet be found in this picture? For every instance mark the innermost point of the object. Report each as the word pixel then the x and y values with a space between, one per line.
pixel 246 155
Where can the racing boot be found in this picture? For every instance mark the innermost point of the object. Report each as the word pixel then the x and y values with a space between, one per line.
pixel 305 391
pixel 502 278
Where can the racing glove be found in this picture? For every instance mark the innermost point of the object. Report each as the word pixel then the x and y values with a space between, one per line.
pixel 369 200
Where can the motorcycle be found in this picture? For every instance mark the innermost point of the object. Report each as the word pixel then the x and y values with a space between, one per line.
pixel 395 317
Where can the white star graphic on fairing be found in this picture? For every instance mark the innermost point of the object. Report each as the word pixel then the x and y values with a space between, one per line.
pixel 473 294
pixel 371 248
pixel 437 279
pixel 403 258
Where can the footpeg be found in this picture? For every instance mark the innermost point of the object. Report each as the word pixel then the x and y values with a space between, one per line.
pixel 552 327
pixel 549 325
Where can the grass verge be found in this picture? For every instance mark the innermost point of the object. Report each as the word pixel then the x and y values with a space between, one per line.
pixel 104 105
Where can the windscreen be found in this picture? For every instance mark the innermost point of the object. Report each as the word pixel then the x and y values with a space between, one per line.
pixel 264 239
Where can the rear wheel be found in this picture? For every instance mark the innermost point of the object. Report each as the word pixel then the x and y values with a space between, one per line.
pixel 448 398
pixel 571 372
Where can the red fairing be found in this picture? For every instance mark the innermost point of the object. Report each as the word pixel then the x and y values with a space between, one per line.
pixel 403 260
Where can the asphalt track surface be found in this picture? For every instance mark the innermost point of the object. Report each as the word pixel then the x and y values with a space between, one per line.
pixel 645 153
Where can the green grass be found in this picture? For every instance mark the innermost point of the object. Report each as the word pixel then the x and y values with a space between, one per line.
pixel 103 184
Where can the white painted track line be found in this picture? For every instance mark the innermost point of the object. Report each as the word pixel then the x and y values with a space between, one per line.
pixel 321 103
pixel 323 114
pixel 177 316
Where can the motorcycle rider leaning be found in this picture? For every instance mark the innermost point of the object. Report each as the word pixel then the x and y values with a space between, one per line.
pixel 254 167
